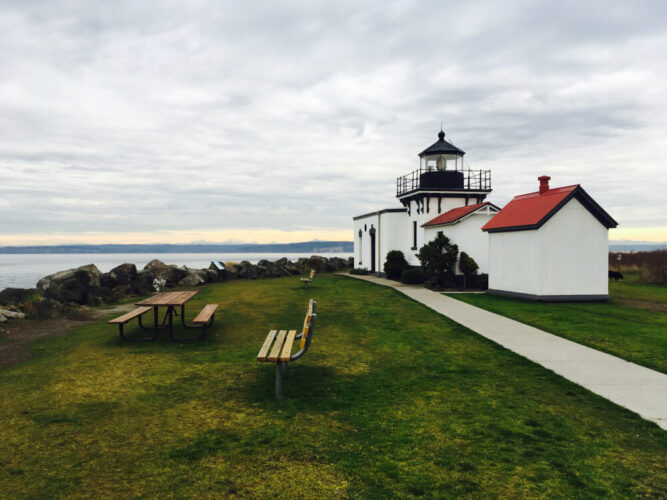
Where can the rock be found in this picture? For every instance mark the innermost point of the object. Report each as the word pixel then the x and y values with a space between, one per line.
pixel 194 277
pixel 291 268
pixel 71 285
pixel 212 275
pixel 119 292
pixel 191 280
pixel 247 271
pixel 231 270
pixel 6 314
pixel 14 296
pixel 98 295
pixel 172 274
pixel 125 274
pixel 143 285
pixel 44 308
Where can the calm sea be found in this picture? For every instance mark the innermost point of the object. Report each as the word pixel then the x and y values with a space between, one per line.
pixel 25 270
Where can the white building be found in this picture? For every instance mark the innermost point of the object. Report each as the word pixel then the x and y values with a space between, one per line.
pixel 442 195
pixel 550 245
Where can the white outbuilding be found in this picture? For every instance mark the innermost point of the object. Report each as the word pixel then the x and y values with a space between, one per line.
pixel 550 245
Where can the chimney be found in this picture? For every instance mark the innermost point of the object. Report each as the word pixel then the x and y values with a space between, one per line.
pixel 544 183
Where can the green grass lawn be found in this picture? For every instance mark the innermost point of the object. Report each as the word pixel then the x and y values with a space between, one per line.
pixel 636 334
pixel 392 400
pixel 630 288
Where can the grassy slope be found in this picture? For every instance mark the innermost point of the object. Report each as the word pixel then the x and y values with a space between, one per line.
pixel 635 334
pixel 630 288
pixel 392 400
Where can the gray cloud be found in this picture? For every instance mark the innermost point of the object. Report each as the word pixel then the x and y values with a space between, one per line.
pixel 212 115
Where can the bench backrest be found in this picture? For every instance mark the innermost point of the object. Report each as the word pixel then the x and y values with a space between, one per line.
pixel 312 273
pixel 308 323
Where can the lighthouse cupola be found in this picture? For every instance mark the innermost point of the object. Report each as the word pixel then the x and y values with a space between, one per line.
pixel 441 156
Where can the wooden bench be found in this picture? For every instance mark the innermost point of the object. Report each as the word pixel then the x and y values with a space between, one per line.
pixel 277 347
pixel 305 281
pixel 125 318
pixel 203 320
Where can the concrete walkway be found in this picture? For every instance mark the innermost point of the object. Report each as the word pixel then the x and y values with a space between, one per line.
pixel 634 387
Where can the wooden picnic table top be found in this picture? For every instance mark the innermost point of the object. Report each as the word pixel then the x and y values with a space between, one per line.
pixel 167 299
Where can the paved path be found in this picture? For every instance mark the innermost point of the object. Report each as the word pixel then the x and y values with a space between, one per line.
pixel 634 387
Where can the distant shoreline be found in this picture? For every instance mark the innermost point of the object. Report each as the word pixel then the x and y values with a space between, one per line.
pixel 303 247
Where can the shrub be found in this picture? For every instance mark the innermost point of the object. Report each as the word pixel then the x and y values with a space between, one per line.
pixel 438 258
pixel 412 276
pixel 357 270
pixel 395 264
pixel 468 267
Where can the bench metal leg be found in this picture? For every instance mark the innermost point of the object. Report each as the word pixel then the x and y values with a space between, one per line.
pixel 279 380
pixel 142 339
pixel 202 327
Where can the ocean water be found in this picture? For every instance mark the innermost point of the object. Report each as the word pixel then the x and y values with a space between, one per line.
pixel 25 270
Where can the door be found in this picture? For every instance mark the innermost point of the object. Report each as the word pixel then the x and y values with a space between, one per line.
pixel 372 233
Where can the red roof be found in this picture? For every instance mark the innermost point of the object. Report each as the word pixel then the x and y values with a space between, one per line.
pixel 454 214
pixel 530 209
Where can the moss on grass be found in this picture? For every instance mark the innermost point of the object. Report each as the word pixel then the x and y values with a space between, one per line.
pixel 393 400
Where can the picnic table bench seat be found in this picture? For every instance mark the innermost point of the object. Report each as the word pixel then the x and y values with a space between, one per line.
pixel 277 347
pixel 125 318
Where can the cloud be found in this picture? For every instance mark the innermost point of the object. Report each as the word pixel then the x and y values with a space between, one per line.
pixel 151 117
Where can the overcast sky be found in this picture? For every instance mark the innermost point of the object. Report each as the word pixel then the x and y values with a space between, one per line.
pixel 263 121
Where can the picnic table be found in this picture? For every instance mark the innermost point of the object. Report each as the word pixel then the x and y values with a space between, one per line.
pixel 173 300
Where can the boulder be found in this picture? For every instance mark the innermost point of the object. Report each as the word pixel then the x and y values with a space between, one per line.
pixel 194 277
pixel 125 274
pixel 231 270
pixel 98 295
pixel 14 296
pixel 119 292
pixel 6 314
pixel 143 285
pixel 71 285
pixel 247 270
pixel 42 308
pixel 172 274
pixel 291 268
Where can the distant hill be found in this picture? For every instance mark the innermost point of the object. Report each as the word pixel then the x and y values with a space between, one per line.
pixel 304 247
pixel 635 247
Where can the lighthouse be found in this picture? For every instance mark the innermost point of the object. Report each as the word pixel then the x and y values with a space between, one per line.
pixel 442 195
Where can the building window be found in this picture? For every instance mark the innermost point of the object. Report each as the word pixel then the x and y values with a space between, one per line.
pixel 414 235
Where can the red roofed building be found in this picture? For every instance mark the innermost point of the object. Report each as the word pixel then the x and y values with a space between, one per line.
pixel 550 245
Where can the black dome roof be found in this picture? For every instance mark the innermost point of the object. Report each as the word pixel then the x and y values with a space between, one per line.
pixel 442 147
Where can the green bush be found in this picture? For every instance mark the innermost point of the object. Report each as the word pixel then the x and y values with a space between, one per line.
pixel 412 276
pixel 395 264
pixel 468 267
pixel 438 258
pixel 359 271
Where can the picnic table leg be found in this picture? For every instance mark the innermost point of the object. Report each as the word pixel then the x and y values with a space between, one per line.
pixel 142 339
pixel 279 381
pixel 202 327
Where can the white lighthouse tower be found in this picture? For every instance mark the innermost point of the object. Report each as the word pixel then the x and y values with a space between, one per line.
pixel 442 195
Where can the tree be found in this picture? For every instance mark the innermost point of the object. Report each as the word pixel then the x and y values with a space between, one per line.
pixel 468 267
pixel 395 264
pixel 438 258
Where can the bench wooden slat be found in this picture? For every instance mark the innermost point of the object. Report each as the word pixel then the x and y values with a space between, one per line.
pixel 277 346
pixel 261 355
pixel 287 347
pixel 128 316
pixel 205 315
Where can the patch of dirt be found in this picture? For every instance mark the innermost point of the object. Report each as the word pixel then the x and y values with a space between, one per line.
pixel 642 304
pixel 17 335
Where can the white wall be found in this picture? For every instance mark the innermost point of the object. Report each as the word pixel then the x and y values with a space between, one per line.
pixel 362 246
pixel 575 253
pixel 566 256
pixel 468 235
